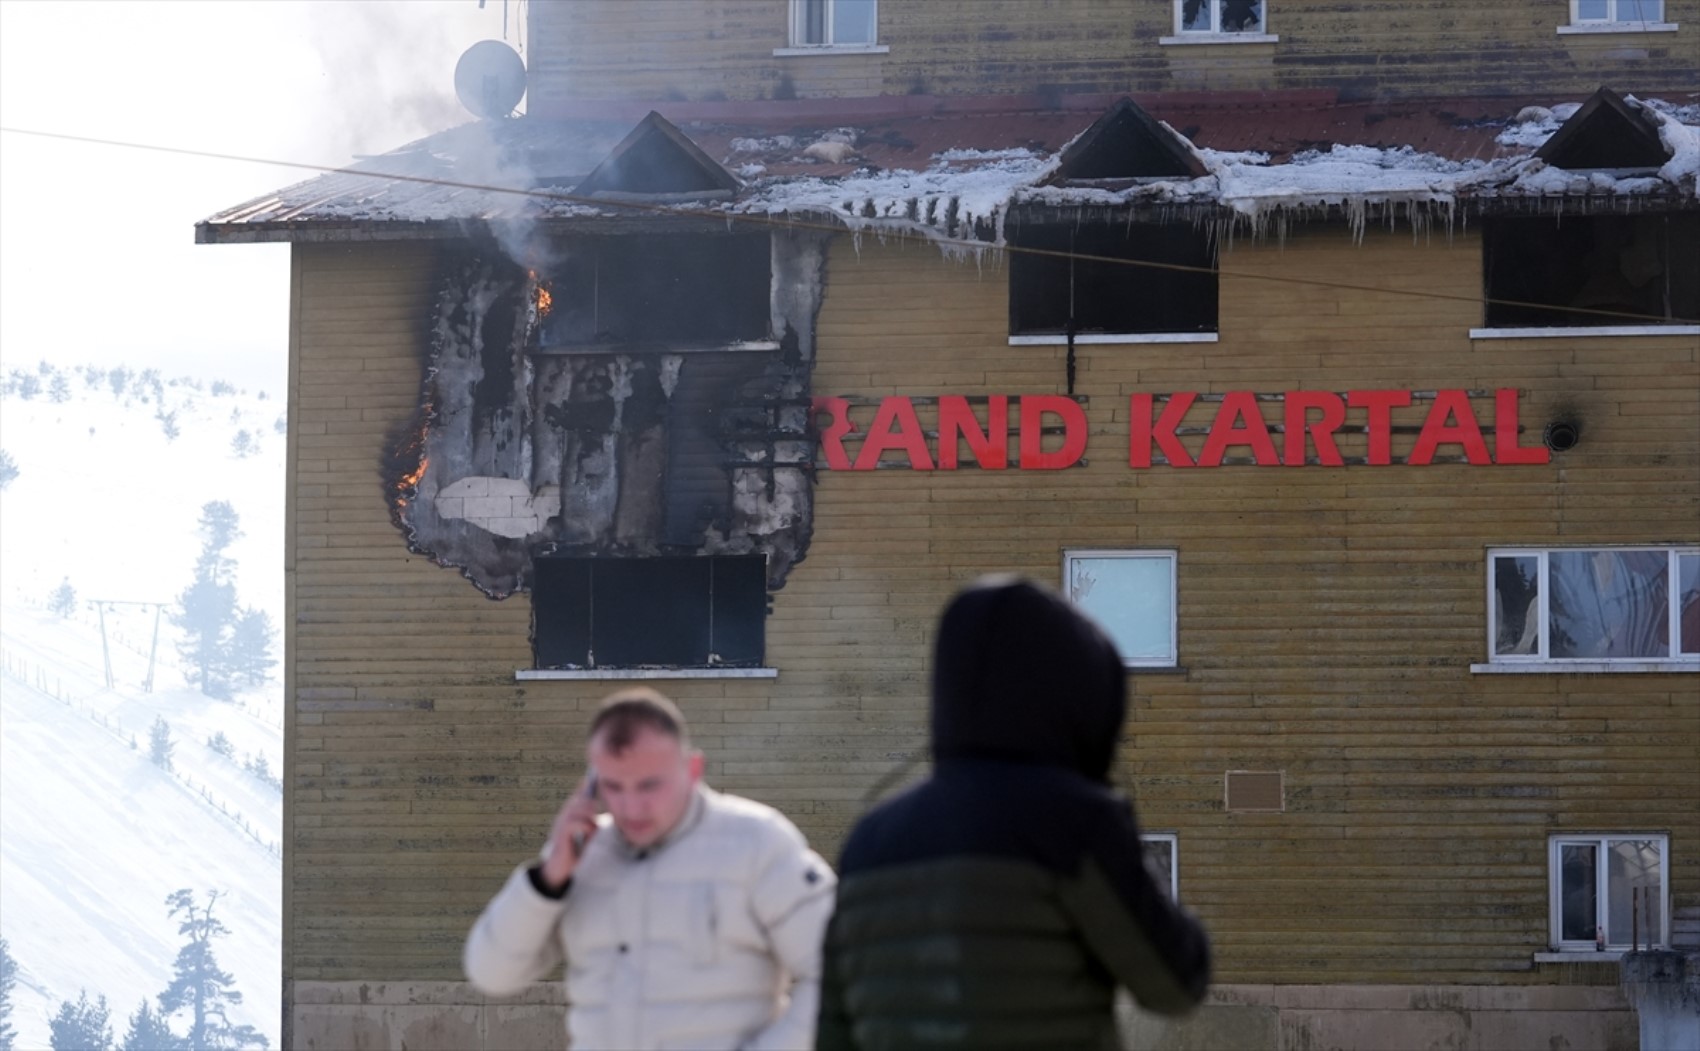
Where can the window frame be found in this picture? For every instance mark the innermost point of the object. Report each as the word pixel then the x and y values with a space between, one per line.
pixel 1614 23
pixel 798 19
pixel 1601 841
pixel 1169 555
pixel 640 669
pixel 1676 660
pixel 1500 282
pixel 1215 34
pixel 1033 334
pixel 1173 839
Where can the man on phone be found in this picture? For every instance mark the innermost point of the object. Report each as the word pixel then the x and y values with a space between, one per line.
pixel 685 917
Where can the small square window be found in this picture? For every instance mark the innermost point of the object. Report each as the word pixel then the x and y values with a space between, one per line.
pixel 1131 594
pixel 1118 278
pixel 834 23
pixel 1219 16
pixel 1587 11
pixel 1609 891
pixel 1597 605
pixel 684 612
pixel 1162 858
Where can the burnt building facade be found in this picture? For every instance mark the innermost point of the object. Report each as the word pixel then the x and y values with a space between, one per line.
pixel 1358 396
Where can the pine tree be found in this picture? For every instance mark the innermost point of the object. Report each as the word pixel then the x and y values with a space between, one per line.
pixel 206 610
pixel 63 602
pixel 81 1026
pixel 59 388
pixel 8 978
pixel 8 468
pixel 160 744
pixel 251 645
pixel 199 985
pixel 149 1031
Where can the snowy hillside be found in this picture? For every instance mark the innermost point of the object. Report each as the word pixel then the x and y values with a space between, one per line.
pixel 109 485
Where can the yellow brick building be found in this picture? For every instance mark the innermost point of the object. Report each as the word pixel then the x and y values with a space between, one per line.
pixel 1385 737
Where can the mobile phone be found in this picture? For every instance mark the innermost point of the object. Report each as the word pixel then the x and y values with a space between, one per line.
pixel 589 790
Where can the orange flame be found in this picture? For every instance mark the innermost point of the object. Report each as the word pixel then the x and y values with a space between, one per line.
pixel 409 481
pixel 545 300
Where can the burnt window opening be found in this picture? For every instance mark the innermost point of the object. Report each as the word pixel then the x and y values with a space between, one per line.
pixel 1174 291
pixel 660 292
pixel 672 612
pixel 1591 270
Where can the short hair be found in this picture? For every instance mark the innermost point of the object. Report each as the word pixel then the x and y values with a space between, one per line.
pixel 623 714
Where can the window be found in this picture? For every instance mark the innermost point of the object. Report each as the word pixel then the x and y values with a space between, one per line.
pixel 666 291
pixel 1614 885
pixel 1617 15
pixel 834 23
pixel 1131 594
pixel 669 612
pixel 1218 16
pixel 1057 288
pixel 1598 270
pixel 1595 604
pixel 1162 857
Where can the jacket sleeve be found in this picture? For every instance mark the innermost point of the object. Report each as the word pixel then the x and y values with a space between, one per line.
pixel 832 1026
pixel 1151 945
pixel 516 940
pixel 793 897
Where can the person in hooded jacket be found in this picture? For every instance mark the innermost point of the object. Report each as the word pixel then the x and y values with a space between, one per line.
pixel 1000 902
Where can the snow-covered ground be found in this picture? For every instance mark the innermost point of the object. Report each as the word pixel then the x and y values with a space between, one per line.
pixel 93 835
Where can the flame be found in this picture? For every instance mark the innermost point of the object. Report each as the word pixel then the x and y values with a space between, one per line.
pixel 410 481
pixel 545 300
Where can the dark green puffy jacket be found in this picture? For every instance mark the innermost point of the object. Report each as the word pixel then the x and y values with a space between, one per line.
pixel 999 903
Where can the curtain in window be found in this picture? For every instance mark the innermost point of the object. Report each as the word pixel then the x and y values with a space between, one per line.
pixel 1609 604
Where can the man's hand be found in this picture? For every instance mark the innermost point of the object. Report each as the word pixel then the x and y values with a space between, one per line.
pixel 575 824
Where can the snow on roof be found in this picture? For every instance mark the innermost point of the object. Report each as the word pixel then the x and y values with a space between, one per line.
pixel 957 177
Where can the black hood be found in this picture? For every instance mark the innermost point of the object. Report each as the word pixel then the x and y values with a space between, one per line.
pixel 1020 674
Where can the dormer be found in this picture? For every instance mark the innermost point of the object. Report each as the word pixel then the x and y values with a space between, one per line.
pixel 1608 134
pixel 1125 146
pixel 657 161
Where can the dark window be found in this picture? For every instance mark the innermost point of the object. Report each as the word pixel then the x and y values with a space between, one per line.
pixel 1591 270
pixel 661 291
pixel 1047 291
pixel 635 612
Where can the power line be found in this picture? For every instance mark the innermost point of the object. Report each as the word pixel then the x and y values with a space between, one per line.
pixel 970 244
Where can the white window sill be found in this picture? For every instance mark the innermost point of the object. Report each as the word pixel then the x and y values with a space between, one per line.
pixel 831 49
pixel 1585 330
pixel 1617 27
pixel 1581 956
pixel 1219 38
pixel 1586 667
pixel 593 674
pixel 1088 339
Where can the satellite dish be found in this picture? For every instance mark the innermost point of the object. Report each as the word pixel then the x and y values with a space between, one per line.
pixel 490 79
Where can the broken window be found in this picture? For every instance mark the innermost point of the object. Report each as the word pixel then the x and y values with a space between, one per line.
pixel 1219 16
pixel 834 23
pixel 1609 889
pixel 660 292
pixel 1605 604
pixel 1162 860
pixel 1131 594
pixel 1591 270
pixel 672 612
pixel 1120 278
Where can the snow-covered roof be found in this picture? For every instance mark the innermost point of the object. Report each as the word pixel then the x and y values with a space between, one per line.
pixel 959 174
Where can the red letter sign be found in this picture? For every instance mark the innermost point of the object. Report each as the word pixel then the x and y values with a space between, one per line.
pixel 1033 409
pixel 1239 405
pixel 1298 405
pixel 832 435
pixel 909 437
pixel 1505 447
pixel 1450 405
pixel 990 447
pixel 1380 404
pixel 1140 434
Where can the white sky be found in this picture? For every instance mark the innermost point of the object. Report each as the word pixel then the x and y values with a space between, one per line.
pixel 97 255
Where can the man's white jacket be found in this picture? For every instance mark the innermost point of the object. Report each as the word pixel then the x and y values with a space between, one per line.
pixel 709 939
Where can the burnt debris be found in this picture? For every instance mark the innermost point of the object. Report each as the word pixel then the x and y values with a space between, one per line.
pixel 643 396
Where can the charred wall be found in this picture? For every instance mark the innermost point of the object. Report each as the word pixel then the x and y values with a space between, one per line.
pixel 524 447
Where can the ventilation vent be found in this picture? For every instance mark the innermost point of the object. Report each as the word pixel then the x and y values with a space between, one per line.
pixel 1254 790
